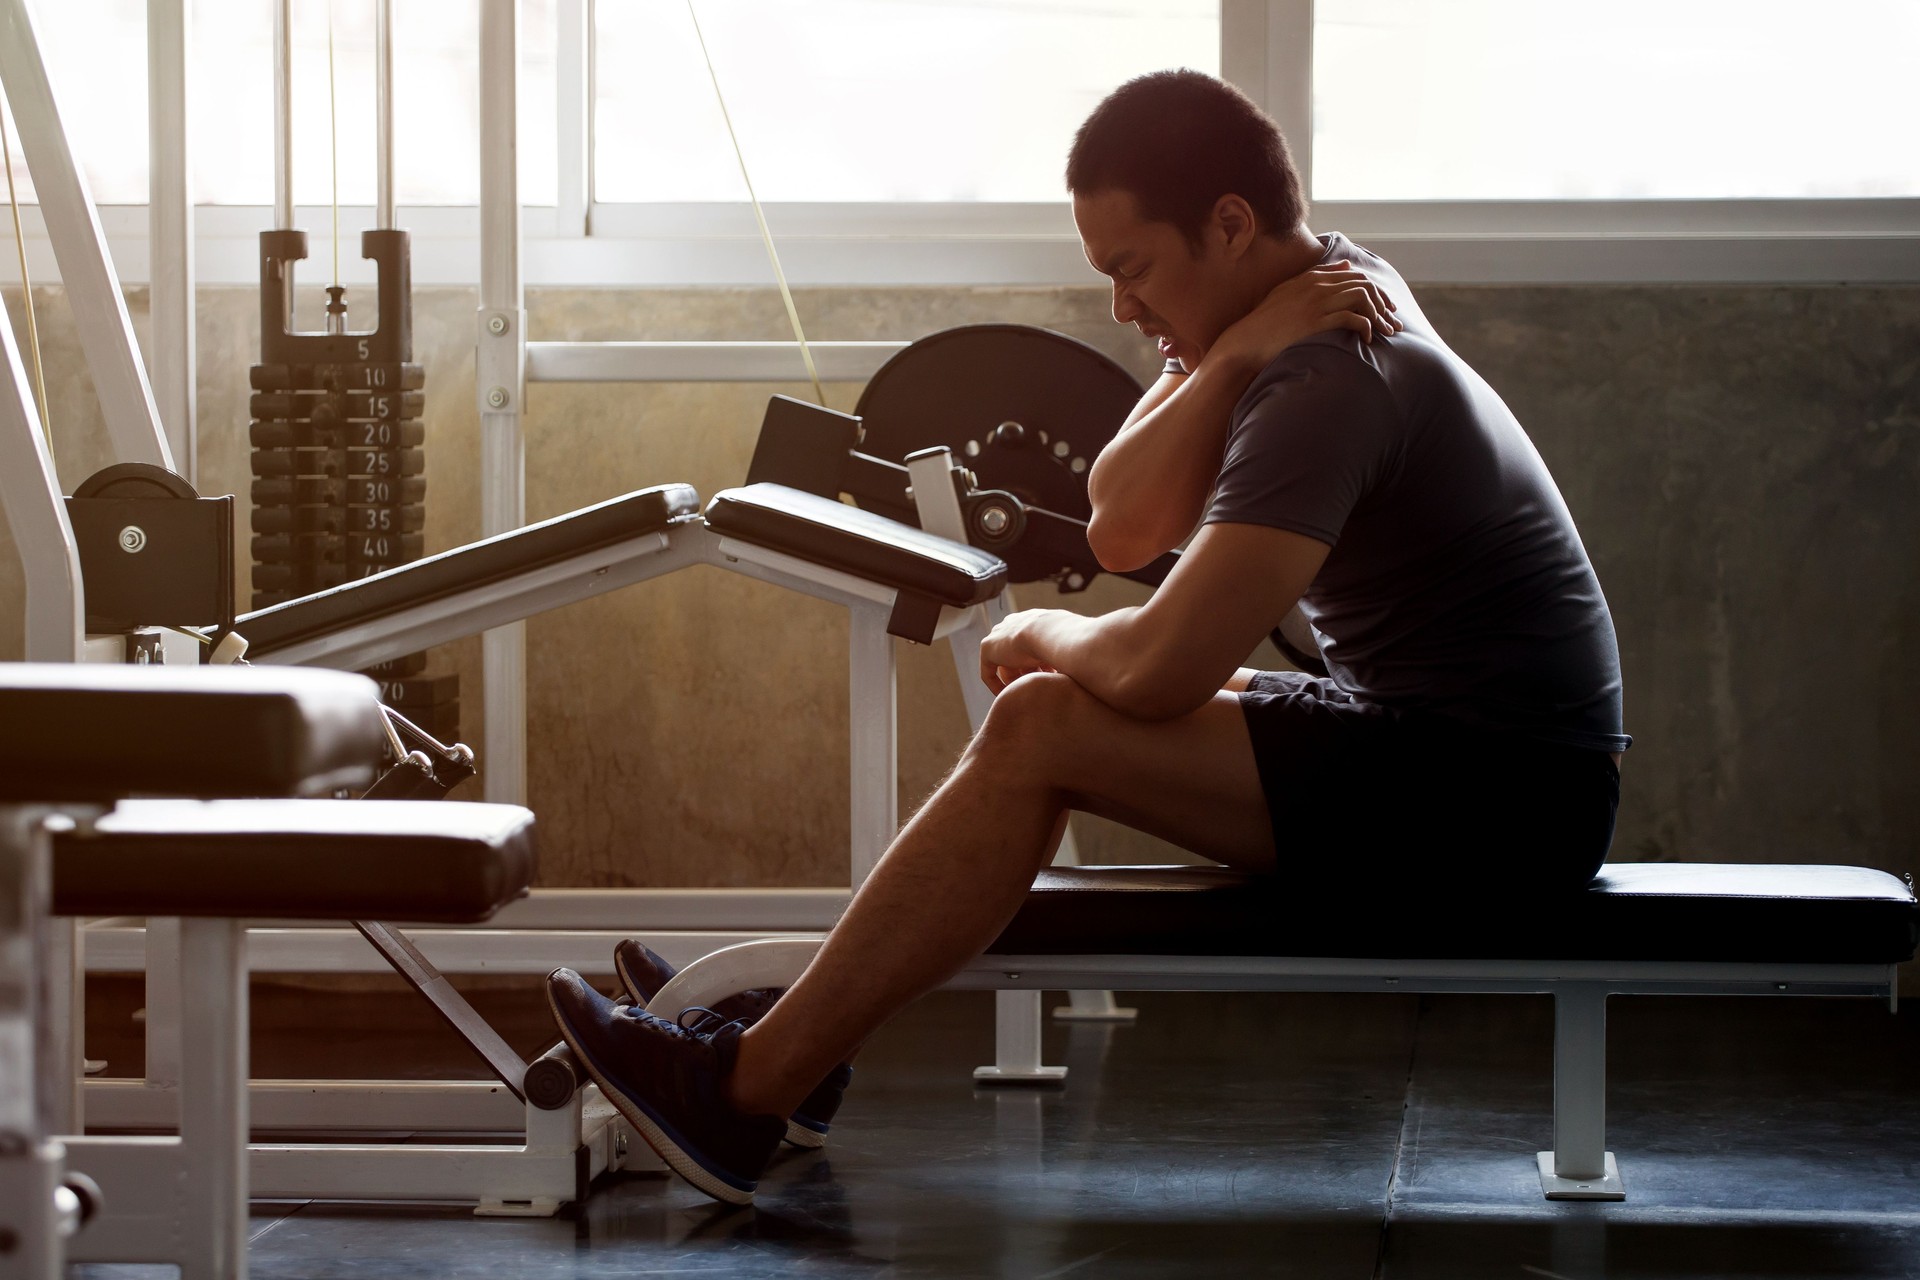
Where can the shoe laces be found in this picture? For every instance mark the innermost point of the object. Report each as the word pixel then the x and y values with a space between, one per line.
pixel 708 1023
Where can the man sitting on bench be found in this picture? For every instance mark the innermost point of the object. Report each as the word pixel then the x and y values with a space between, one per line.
pixel 1332 451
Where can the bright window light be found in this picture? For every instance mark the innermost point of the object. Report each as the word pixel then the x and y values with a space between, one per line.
pixel 870 100
pixel 1614 99
pixel 96 54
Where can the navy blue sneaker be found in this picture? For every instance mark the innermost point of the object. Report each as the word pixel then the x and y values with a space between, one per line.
pixel 643 972
pixel 669 1082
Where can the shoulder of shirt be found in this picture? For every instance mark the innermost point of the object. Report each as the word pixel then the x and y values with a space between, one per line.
pixel 1337 353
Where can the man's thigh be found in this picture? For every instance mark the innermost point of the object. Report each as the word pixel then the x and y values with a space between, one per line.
pixel 1191 781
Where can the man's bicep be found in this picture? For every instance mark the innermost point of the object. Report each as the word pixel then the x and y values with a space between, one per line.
pixel 1232 586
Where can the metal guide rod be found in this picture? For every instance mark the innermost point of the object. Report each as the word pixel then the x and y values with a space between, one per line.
pixel 31 504
pixel 80 246
pixel 500 365
pixel 283 115
pixel 170 230
pixel 383 100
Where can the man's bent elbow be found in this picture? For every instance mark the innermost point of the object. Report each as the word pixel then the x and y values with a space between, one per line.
pixel 1117 550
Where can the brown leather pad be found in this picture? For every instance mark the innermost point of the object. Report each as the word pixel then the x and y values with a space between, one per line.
pixel 91 732
pixel 399 860
pixel 858 542
pixel 478 564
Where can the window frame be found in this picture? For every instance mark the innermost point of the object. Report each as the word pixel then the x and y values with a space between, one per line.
pixel 1266 49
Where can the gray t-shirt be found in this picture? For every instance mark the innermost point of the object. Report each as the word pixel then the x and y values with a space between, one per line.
pixel 1457 582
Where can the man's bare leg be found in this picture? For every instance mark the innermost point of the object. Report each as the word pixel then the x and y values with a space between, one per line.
pixel 960 869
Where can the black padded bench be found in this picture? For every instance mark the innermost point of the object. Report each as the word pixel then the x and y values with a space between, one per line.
pixel 928 573
pixel 509 576
pixel 217 861
pixel 1640 928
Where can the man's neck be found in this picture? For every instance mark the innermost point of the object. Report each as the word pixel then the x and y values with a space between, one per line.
pixel 1275 259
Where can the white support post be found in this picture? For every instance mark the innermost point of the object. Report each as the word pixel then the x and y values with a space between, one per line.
pixel 170 229
pixel 873 727
pixel 80 246
pixel 573 78
pixel 213 1098
pixel 63 978
pixel 1580 1167
pixel 500 365
pixel 31 503
pixel 163 1003
pixel 1016 1039
pixel 31 1168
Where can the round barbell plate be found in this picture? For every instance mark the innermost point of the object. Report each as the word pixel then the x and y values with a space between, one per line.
pixel 957 387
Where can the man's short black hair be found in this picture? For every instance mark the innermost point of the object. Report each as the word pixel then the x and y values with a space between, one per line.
pixel 1179 140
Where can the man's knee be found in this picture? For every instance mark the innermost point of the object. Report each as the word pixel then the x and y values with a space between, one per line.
pixel 1033 722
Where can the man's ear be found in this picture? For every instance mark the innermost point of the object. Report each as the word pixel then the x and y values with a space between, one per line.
pixel 1234 225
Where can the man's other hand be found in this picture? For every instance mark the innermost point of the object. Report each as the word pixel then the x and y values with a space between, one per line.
pixel 1007 654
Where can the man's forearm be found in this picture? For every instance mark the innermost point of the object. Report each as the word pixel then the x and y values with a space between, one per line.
pixel 1092 652
pixel 1150 484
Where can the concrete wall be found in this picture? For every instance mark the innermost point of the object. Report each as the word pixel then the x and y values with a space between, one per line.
pixel 1741 461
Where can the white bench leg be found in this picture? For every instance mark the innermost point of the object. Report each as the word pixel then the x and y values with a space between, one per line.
pixel 1580 1167
pixel 213 1098
pixel 1016 1038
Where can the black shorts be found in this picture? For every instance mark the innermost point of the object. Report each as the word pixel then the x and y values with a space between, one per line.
pixel 1367 795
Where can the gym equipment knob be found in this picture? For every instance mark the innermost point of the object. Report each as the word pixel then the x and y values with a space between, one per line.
pixel 1010 434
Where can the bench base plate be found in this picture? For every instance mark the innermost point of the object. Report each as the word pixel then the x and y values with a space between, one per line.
pixel 1608 1187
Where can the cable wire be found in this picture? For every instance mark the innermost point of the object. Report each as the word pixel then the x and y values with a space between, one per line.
pixel 766 234
pixel 26 285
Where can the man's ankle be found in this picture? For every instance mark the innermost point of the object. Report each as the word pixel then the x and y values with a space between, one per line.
pixel 751 1087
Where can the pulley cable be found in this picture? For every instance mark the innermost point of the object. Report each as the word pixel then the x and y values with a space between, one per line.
pixel 766 234
pixel 26 284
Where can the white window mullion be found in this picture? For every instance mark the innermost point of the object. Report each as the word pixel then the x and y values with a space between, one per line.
pixel 573 22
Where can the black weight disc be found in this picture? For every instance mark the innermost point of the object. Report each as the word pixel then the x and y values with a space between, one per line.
pixel 957 387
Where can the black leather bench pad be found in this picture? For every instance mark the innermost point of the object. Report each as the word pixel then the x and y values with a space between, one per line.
pixel 866 545
pixel 438 860
pixel 94 731
pixel 478 564
pixel 1632 911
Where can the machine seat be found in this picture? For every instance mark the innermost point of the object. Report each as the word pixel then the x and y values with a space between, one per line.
pixel 477 564
pixel 90 733
pixel 858 542
pixel 437 861
pixel 1673 911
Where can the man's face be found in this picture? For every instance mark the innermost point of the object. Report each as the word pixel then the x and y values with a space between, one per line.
pixel 1162 285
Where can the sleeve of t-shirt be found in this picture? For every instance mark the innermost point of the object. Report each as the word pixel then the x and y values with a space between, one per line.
pixel 1311 438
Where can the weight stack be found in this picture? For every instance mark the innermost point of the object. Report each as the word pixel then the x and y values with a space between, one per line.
pixel 339 467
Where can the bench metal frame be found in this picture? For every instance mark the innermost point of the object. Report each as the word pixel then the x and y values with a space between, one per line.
pixel 1577 1167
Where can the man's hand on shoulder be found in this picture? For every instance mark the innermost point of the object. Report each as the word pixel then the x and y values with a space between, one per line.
pixel 1336 296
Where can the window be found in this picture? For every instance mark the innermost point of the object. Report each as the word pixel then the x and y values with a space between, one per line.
pixel 1614 99
pixel 96 55
pixel 869 100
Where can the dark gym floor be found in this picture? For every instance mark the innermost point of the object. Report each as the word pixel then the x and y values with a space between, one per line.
pixel 1255 1135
